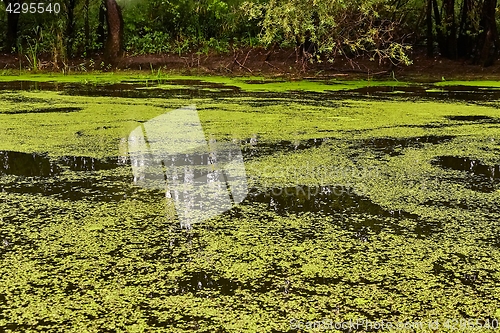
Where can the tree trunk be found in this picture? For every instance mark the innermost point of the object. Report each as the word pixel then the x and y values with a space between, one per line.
pixel 464 45
pixel 101 35
pixel 12 20
pixel 439 28
pixel 70 27
pixel 451 29
pixel 114 41
pixel 488 39
pixel 87 28
pixel 430 35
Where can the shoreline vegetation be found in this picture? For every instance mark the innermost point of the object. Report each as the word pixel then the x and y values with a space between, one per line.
pixel 381 39
pixel 256 62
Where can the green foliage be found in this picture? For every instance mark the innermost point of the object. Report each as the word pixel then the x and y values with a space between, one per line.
pixel 32 48
pixel 382 29
pixel 182 26
pixel 151 42
pixel 336 27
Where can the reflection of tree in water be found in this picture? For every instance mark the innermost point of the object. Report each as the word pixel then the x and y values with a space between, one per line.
pixel 170 152
pixel 477 176
pixel 24 164
pixel 85 163
pixel 196 181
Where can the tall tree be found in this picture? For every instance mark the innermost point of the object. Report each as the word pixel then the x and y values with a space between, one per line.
pixel 114 41
pixel 12 26
pixel 439 27
pixel 70 26
pixel 488 38
pixel 101 34
pixel 430 34
pixel 450 29
pixel 464 41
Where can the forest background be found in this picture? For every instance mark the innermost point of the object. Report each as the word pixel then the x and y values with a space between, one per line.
pixel 103 33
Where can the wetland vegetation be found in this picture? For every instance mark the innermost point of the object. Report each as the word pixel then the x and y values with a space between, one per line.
pixel 366 200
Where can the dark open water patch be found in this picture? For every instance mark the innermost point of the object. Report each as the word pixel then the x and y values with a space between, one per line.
pixel 478 176
pixel 199 88
pixel 358 213
pixel 85 163
pixel 469 164
pixel 25 164
pixel 31 85
pixel 254 148
pixel 250 148
pixel 473 118
pixel 135 89
pixel 40 165
pixel 45 110
pixel 394 146
pixel 457 121
pixel 127 89
pixel 447 93
pixel 385 90
pixel 185 82
pixel 325 199
pixel 38 174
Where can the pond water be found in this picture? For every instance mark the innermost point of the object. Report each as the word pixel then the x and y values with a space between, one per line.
pixel 180 205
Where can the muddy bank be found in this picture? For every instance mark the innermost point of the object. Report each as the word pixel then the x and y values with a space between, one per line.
pixel 278 62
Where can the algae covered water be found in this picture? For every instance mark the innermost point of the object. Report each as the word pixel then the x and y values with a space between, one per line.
pixel 224 205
